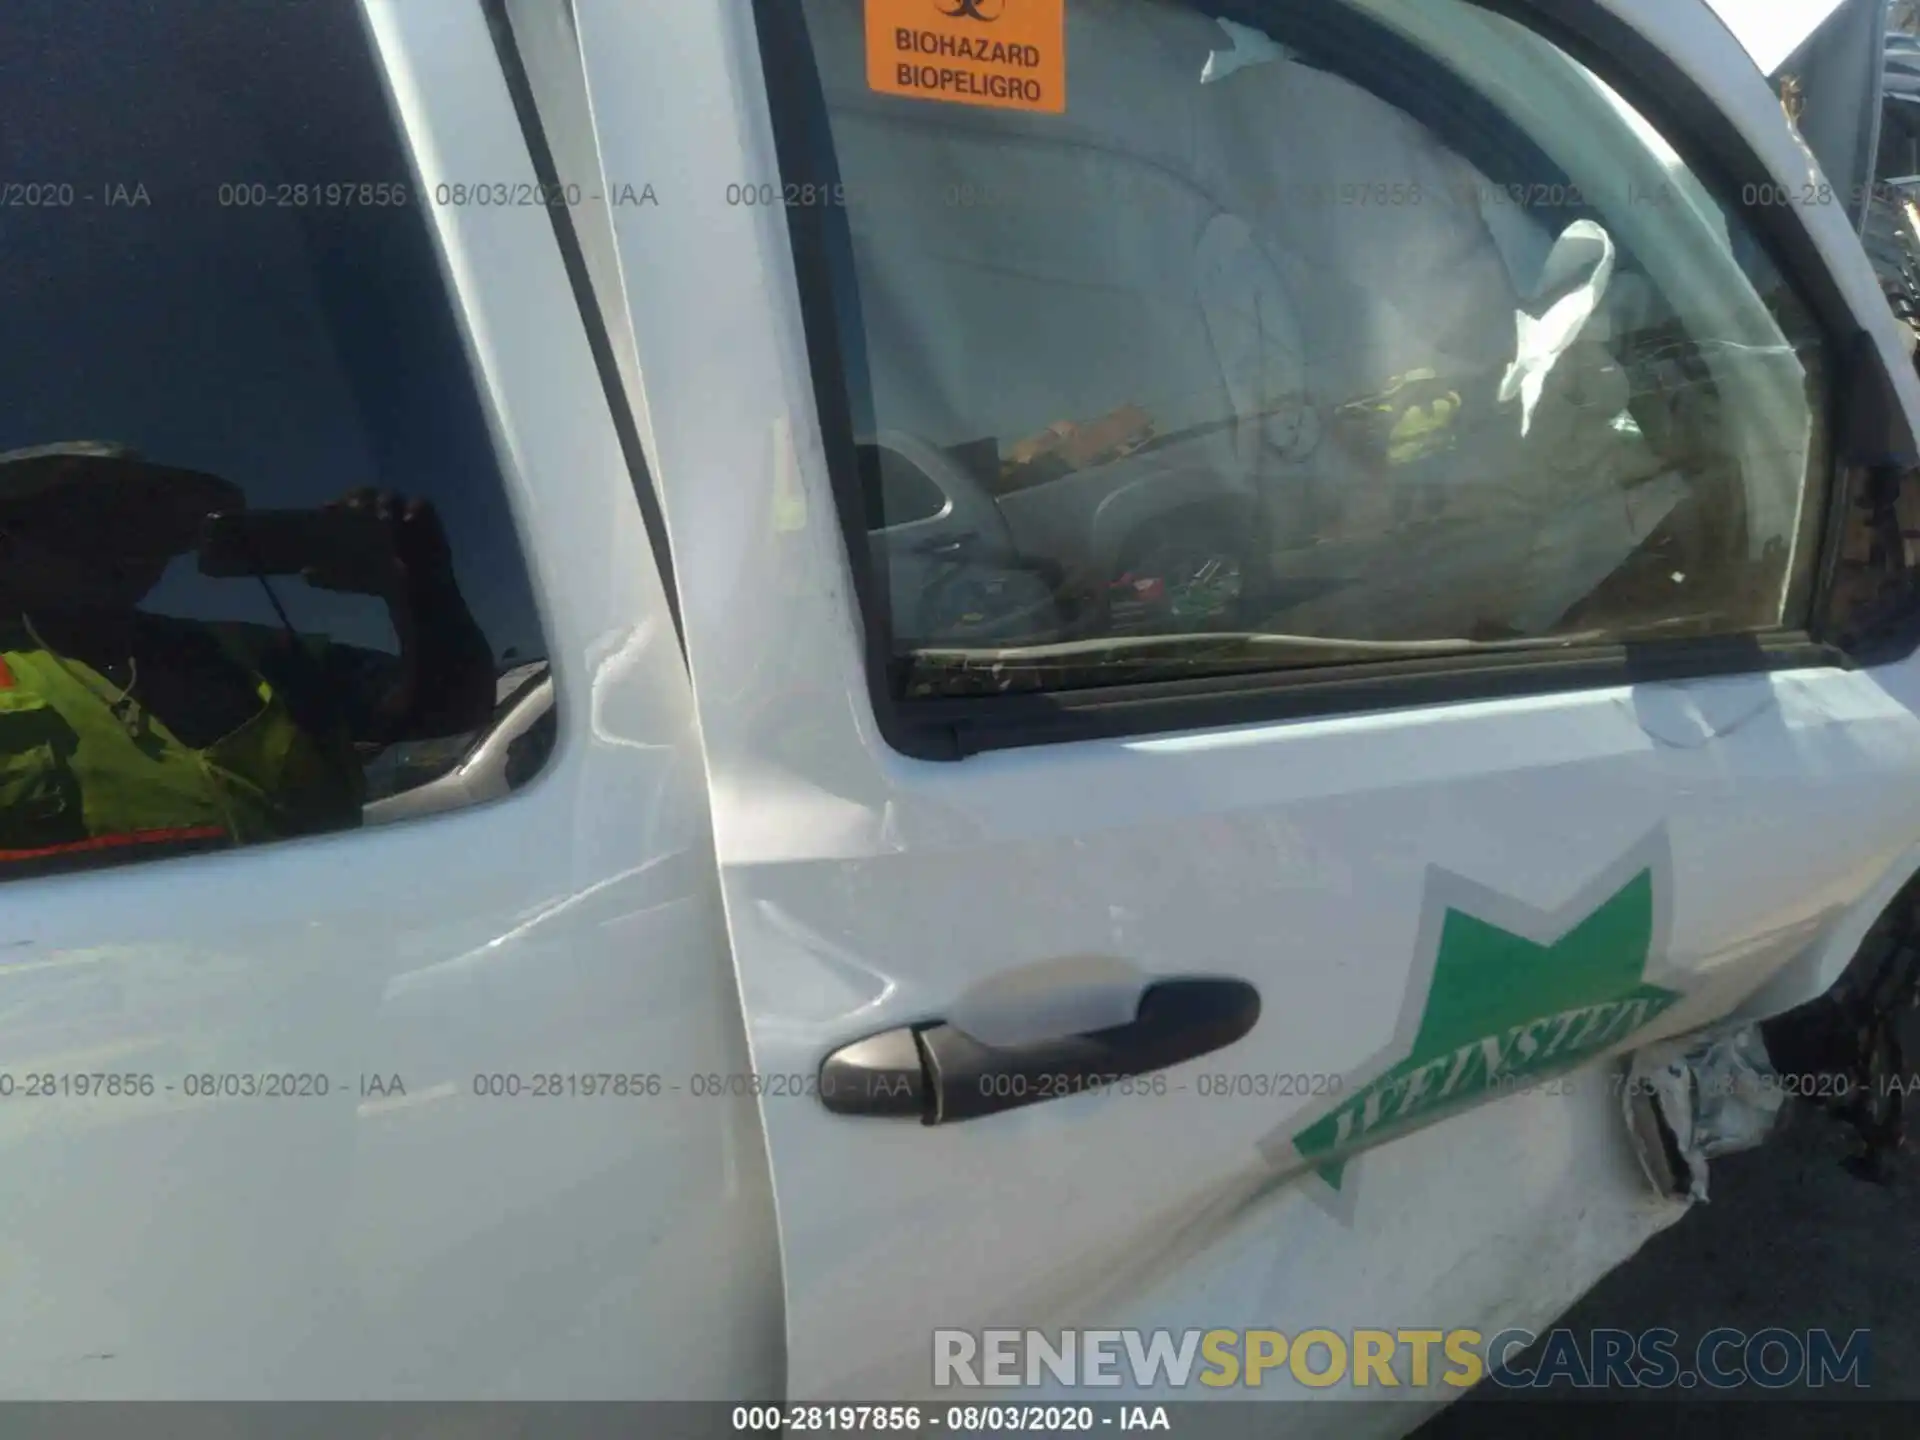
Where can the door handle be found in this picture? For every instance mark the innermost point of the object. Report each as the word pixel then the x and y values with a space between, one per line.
pixel 939 1074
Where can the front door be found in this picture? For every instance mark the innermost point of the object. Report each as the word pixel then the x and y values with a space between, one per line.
pixel 1200 965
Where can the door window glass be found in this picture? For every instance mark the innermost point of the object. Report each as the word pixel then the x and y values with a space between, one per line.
pixel 257 568
pixel 1373 330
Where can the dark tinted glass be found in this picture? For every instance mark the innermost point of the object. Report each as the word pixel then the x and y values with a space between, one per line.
pixel 257 567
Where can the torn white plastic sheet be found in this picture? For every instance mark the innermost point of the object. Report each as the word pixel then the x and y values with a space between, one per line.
pixel 1250 47
pixel 1567 295
pixel 1698 1097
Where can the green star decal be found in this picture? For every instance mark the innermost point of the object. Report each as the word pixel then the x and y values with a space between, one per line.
pixel 1501 1010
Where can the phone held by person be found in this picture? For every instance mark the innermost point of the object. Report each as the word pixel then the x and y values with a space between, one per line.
pixel 288 542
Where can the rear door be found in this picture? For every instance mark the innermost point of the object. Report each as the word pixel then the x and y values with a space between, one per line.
pixel 1501 743
pixel 371 1112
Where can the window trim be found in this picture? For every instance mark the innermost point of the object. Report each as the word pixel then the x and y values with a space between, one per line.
pixel 593 318
pixel 953 728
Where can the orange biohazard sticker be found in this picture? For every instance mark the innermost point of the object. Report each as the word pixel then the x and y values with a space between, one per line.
pixel 1006 53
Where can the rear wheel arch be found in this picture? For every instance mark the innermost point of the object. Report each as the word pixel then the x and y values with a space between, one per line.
pixel 1813 973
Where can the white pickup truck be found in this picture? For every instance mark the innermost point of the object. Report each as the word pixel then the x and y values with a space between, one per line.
pixel 1273 935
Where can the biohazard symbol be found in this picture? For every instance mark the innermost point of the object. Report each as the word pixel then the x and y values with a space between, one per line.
pixel 970 10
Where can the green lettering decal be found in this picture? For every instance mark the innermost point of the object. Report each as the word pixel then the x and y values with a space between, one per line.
pixel 1503 1009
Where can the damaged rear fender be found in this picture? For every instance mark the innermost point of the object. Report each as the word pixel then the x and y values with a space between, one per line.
pixel 1816 970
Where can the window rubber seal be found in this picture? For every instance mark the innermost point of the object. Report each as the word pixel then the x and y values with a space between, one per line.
pixel 580 280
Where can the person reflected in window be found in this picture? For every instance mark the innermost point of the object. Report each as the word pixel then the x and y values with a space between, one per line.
pixel 126 734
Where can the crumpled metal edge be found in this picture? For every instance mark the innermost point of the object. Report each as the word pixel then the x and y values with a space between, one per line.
pixel 1700 1096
